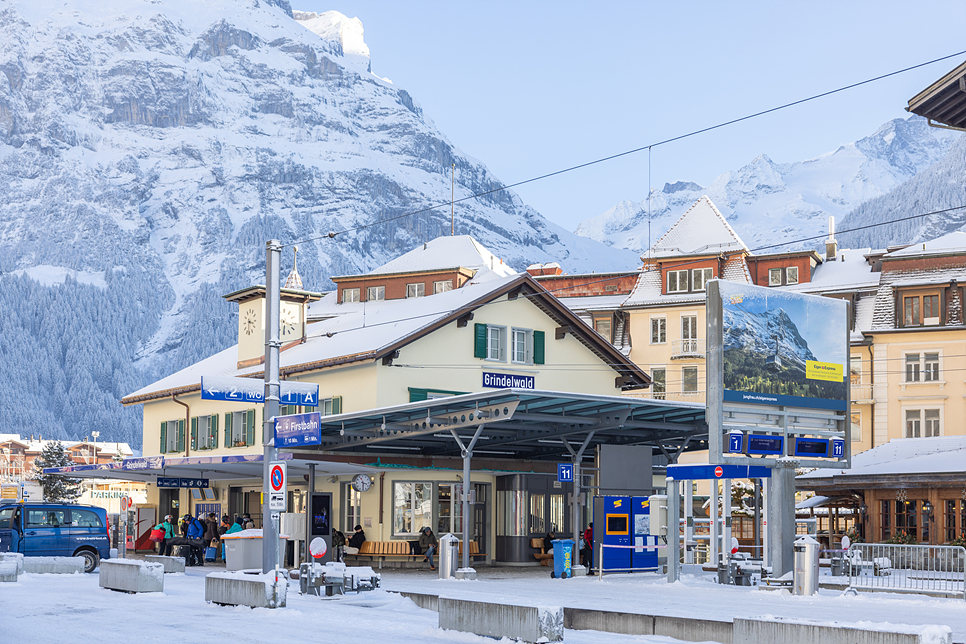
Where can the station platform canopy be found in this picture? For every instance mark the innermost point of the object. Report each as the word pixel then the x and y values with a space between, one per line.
pixel 515 424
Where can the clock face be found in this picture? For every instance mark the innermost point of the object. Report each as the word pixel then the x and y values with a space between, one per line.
pixel 361 482
pixel 249 321
pixel 287 322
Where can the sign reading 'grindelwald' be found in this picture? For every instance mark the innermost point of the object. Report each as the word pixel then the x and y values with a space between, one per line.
pixel 298 429
pixel 508 381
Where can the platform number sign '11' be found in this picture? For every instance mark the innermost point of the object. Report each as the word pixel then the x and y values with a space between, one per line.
pixel 565 472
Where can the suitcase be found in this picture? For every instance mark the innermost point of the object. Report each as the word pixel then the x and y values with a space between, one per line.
pixel 211 553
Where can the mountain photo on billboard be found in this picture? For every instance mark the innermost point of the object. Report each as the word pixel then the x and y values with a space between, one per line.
pixel 785 345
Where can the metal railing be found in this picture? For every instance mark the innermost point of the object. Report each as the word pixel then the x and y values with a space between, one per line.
pixel 692 347
pixel 906 568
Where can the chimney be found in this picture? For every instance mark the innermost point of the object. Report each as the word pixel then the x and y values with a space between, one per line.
pixel 831 246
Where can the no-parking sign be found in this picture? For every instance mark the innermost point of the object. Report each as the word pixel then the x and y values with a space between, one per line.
pixel 277 486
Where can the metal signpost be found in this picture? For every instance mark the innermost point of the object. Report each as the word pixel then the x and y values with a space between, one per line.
pixel 778 391
pixel 273 251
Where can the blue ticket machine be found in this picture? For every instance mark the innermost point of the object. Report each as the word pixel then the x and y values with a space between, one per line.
pixel 642 557
pixel 612 526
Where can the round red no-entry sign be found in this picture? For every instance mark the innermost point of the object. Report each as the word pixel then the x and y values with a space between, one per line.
pixel 277 478
pixel 718 471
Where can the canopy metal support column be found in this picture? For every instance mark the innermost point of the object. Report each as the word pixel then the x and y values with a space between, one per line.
pixel 467 452
pixel 576 457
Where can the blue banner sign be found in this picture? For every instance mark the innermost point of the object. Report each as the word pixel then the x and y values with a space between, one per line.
pixel 565 472
pixel 250 390
pixel 142 463
pixel 508 381
pixel 173 481
pixel 298 429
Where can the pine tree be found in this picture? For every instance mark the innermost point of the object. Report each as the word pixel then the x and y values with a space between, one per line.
pixel 57 489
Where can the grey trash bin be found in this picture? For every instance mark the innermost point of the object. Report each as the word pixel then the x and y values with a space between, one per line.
pixel 449 548
pixel 806 566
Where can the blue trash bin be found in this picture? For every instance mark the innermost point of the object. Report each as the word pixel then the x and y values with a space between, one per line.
pixel 563 558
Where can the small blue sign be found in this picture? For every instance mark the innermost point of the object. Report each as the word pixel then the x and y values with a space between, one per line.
pixel 838 448
pixel 565 472
pixel 736 443
pixel 173 481
pixel 298 429
pixel 508 381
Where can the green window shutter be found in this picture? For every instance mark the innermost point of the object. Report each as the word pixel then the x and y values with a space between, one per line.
pixel 251 428
pixel 164 437
pixel 479 344
pixel 337 404
pixel 213 429
pixel 539 353
pixel 194 433
pixel 228 429
pixel 180 435
pixel 417 395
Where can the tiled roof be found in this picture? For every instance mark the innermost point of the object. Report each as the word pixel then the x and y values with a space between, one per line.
pixel 702 229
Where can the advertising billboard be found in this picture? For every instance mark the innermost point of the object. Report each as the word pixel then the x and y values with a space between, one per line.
pixel 783 348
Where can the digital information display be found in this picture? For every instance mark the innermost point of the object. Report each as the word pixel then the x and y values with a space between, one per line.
pixel 811 447
pixel 770 445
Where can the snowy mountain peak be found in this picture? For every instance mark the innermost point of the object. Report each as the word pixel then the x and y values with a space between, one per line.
pixel 346 32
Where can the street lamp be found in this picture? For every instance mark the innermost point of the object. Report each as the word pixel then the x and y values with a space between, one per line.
pixel 95 435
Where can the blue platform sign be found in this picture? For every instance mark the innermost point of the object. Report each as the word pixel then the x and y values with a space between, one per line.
pixel 298 429
pixel 565 472
pixel 736 443
pixel 250 390
pixel 838 448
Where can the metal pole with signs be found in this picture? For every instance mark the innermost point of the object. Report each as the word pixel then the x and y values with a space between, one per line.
pixel 778 390
pixel 273 251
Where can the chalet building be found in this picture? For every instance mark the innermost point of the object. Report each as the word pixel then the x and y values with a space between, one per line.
pixel 445 319
pixel 17 454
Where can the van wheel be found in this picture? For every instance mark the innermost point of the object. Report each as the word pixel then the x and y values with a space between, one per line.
pixel 90 559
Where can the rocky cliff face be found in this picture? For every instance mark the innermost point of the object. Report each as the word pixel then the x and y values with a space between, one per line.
pixel 149 148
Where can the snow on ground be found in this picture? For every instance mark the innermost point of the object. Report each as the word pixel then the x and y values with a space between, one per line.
pixel 42 609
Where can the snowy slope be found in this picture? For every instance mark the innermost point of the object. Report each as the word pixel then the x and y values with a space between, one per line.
pixel 768 202
pixel 149 148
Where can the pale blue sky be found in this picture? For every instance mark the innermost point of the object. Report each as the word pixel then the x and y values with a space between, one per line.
pixel 533 87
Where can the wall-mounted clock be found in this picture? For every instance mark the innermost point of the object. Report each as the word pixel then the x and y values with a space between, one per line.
pixel 361 482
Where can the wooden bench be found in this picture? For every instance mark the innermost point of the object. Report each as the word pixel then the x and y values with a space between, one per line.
pixel 400 550
pixel 545 558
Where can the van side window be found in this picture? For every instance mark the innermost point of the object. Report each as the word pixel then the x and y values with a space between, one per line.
pixel 6 518
pixel 85 519
pixel 46 518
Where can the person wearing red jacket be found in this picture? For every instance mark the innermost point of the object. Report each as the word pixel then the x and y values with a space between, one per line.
pixel 587 552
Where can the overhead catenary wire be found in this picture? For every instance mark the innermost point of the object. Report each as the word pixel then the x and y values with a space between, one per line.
pixel 452 202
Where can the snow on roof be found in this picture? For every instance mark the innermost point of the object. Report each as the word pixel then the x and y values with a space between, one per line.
pixel 864 308
pixel 848 270
pixel 954 242
pixel 702 229
pixel 884 316
pixel 359 328
pixel 593 302
pixel 936 455
pixel 447 252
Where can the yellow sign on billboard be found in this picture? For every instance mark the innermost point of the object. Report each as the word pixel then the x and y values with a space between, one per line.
pixel 830 371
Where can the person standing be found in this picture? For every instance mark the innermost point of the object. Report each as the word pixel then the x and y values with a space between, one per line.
pixel 211 534
pixel 428 544
pixel 169 533
pixel 587 553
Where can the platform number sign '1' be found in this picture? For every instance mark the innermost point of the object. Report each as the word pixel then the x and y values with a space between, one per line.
pixel 277 493
pixel 565 472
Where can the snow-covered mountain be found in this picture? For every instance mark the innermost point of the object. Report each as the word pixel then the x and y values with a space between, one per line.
pixel 149 148
pixel 769 203
pixel 766 333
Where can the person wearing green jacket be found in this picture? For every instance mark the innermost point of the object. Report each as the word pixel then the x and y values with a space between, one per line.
pixel 169 533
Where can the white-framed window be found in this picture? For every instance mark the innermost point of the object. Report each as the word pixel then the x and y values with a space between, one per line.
pixel 659 382
pixel 856 426
pixel 677 281
pixel 658 330
pixel 204 432
pixel 172 436
pixel 415 290
pixel 442 286
pixel 689 380
pixel 604 328
pixel 521 350
pixel 922 367
pixel 240 428
pixel 376 293
pixel 412 507
pixel 496 343
pixel 774 277
pixel 923 423
pixel 689 327
pixel 350 295
pixel 791 275
pixel 700 277
pixel 352 504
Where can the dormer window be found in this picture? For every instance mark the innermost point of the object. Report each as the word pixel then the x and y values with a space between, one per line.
pixel 415 290
pixel 700 277
pixel 782 276
pixel 920 310
pixel 774 277
pixel 677 281
pixel 350 295
pixel 791 275
pixel 376 293
pixel 686 281
pixel 442 286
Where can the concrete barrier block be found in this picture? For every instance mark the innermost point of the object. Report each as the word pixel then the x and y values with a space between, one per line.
pixel 54 565
pixel 171 564
pixel 241 589
pixel 8 571
pixel 581 619
pixel 694 630
pixel 527 623
pixel 795 631
pixel 423 600
pixel 131 576
pixel 13 557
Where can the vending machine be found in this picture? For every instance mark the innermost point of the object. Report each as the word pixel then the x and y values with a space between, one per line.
pixel 612 527
pixel 644 553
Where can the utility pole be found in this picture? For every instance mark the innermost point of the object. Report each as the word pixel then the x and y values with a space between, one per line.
pixel 270 527
pixel 452 203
